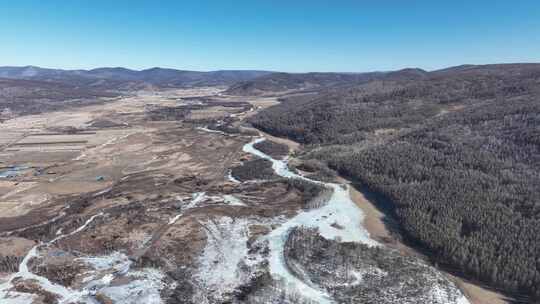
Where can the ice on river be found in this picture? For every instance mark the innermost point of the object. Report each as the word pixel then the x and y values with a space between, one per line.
pixel 340 219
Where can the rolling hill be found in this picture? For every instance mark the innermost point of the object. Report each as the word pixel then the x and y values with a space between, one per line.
pixel 287 82
pixel 22 97
pixel 126 79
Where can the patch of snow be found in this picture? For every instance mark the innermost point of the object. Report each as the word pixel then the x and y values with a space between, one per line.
pixel 205 129
pixel 226 248
pixel 114 140
pixel 145 288
pixel 233 200
pixel 81 156
pixel 107 279
pixel 12 297
pixel 441 295
pixel 103 191
pixel 81 228
pixel 117 262
pixel 144 285
pixel 174 219
pixel 196 198
pixel 88 279
pixel 359 274
pixel 232 179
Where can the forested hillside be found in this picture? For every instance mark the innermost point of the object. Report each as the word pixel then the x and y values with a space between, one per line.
pixel 456 152
pixel 287 82
pixel 20 97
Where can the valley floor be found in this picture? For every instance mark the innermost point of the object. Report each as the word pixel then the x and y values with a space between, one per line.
pixel 133 201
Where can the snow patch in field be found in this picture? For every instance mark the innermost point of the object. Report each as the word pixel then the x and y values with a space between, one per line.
pixel 106 190
pixel 225 250
pixel 197 197
pixel 232 200
pixel 117 262
pixel 205 129
pixel 13 297
pixel 145 288
pixel 144 285
pixel 81 156
pixel 174 219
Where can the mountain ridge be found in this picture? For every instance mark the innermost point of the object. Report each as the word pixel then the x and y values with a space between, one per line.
pixel 119 78
pixel 300 82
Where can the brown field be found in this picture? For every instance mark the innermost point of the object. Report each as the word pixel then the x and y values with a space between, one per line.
pixel 92 159
pixel 134 175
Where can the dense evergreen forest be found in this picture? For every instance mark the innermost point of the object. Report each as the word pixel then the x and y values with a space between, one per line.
pixel 456 152
pixel 256 169
pixel 276 150
pixel 281 82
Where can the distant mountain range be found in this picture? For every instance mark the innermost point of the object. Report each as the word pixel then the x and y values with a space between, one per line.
pixel 125 79
pixel 282 83
pixel 240 82
pixel 243 82
pixel 276 83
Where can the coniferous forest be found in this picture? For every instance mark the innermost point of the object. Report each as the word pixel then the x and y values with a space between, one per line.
pixel 456 152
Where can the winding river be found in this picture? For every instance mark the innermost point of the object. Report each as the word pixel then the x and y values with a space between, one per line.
pixel 339 209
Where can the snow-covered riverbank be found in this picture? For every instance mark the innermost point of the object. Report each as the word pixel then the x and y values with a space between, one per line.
pixel 339 219
pixel 141 286
pixel 340 212
pixel 65 294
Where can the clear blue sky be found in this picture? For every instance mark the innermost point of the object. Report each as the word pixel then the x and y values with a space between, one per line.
pixel 291 35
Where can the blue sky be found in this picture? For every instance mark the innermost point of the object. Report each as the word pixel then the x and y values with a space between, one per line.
pixel 292 35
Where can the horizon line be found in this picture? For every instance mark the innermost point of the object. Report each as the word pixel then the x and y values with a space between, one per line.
pixel 259 70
